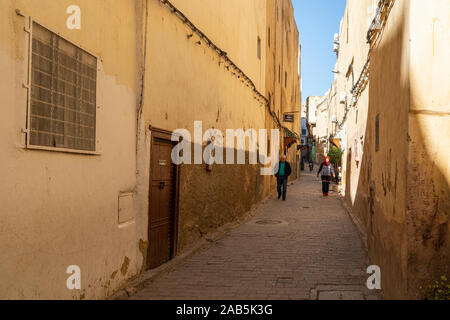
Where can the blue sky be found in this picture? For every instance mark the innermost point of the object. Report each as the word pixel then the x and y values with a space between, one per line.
pixel 317 21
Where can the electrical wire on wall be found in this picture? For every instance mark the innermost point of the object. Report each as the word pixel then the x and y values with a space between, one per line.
pixel 229 64
pixel 143 64
pixel 373 37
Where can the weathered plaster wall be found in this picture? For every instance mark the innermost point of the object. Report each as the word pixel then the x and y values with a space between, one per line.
pixel 235 26
pixel 199 87
pixel 353 51
pixel 290 85
pixel 402 189
pixel 46 228
pixel 311 105
pixel 61 209
pixel 374 179
pixel 428 174
pixel 283 63
pixel 186 81
pixel 208 200
pixel 381 191
pixel 322 130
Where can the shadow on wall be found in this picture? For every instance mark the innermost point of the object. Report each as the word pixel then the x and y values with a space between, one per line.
pixel 210 199
pixel 402 196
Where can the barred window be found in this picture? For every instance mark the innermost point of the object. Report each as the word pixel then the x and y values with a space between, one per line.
pixel 63 94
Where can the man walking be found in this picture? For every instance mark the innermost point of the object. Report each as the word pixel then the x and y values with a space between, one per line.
pixel 327 171
pixel 284 171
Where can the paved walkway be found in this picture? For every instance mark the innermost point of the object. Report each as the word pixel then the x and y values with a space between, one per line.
pixel 303 248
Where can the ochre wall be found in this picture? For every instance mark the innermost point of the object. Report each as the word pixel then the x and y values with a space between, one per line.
pixel 428 174
pixel 283 55
pixel 401 191
pixel 208 200
pixel 234 26
pixel 375 186
pixel 187 82
pixel 353 52
pixel 385 185
pixel 61 209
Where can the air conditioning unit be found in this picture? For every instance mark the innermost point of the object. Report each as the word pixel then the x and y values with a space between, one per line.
pixel 343 98
pixel 336 38
pixel 335 47
pixel 336 43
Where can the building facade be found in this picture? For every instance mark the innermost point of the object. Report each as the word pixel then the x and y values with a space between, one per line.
pixel 317 126
pixel 391 112
pixel 93 91
pixel 69 137
pixel 283 70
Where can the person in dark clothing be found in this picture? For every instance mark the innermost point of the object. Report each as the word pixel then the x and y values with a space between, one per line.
pixel 327 170
pixel 283 173
pixel 311 165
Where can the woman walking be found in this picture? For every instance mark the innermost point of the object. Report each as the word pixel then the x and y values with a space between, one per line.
pixel 327 170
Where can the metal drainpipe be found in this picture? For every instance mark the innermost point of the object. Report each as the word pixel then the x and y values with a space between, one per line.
pixel 143 70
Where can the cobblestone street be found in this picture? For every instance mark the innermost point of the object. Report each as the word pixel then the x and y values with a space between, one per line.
pixel 304 248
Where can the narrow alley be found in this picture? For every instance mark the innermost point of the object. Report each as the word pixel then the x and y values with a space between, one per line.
pixel 304 248
pixel 144 143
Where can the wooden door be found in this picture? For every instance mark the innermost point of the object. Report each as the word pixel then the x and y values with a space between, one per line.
pixel 162 203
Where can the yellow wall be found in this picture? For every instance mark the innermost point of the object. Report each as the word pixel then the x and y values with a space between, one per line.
pixel 61 209
pixel 353 51
pixel 283 56
pixel 235 26
pixel 375 186
pixel 428 202
pixel 198 87
pixel 383 182
pixel 401 191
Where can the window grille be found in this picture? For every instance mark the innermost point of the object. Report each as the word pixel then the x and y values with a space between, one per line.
pixel 62 110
